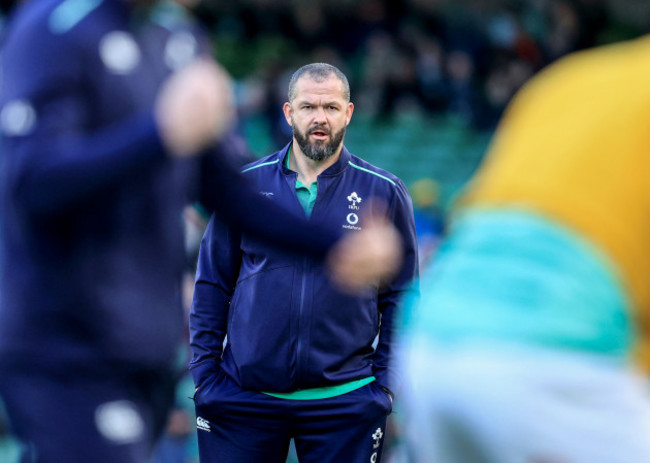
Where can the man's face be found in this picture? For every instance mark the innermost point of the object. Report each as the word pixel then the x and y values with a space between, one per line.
pixel 318 116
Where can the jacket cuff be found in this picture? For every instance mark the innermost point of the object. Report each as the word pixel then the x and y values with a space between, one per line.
pixel 388 391
pixel 388 380
pixel 202 371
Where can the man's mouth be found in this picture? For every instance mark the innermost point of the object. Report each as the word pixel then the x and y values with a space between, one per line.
pixel 319 134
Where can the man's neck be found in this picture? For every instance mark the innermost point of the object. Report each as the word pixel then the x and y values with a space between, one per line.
pixel 308 169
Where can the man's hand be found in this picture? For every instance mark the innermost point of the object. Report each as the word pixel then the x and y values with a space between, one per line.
pixel 372 255
pixel 194 108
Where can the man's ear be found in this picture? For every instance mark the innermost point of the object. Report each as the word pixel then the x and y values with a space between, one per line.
pixel 286 109
pixel 348 113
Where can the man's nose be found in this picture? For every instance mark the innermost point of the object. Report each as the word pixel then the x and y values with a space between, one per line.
pixel 319 117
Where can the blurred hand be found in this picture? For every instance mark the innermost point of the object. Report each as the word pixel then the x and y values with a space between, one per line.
pixel 179 423
pixel 370 256
pixel 194 108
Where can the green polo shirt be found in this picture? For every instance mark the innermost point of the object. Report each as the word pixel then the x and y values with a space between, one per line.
pixel 306 194
pixel 307 198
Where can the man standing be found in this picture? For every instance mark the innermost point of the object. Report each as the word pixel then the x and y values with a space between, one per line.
pixel 531 341
pixel 299 361
pixel 105 107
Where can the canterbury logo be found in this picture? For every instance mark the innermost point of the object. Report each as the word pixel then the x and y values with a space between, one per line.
pixel 203 424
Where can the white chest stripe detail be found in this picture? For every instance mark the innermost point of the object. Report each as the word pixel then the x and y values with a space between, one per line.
pixel 119 52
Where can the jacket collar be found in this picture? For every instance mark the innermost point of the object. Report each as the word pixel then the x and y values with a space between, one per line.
pixel 332 170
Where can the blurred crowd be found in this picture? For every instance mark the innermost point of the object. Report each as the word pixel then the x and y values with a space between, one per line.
pixel 460 58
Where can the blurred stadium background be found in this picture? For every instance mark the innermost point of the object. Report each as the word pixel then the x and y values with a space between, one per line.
pixel 429 78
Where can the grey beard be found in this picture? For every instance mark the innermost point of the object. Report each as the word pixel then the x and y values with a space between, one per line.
pixel 318 151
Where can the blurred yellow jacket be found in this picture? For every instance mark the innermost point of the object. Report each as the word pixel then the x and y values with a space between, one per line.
pixel 574 147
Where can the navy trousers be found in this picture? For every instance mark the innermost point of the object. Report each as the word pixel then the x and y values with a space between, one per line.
pixel 82 418
pixel 239 426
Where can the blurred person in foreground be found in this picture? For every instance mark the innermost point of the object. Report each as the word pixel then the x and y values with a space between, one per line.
pixel 109 114
pixel 300 360
pixel 530 341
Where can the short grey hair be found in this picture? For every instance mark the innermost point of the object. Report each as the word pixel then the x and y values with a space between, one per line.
pixel 318 72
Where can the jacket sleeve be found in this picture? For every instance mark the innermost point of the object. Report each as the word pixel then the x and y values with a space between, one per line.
pixel 392 295
pixel 217 271
pixel 225 191
pixel 54 159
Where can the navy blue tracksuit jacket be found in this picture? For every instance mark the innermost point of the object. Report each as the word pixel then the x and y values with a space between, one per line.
pixel 287 327
pixel 92 241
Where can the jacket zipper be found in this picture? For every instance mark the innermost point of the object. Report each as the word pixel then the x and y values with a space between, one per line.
pixel 300 324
